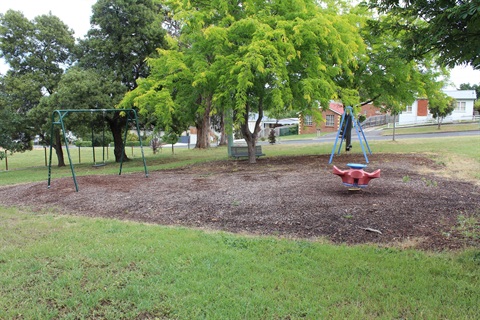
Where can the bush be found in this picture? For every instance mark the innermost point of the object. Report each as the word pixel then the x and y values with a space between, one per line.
pixel 271 137
pixel 83 144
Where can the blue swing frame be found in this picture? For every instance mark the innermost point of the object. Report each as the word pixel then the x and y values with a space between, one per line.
pixel 358 129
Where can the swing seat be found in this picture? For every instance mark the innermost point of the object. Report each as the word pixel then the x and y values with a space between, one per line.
pixel 355 177
pixel 99 165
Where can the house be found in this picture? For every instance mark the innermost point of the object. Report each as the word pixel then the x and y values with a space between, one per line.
pixel 418 112
pixel 332 117
pixel 267 124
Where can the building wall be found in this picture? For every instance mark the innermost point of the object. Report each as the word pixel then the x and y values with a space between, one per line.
pixel 322 127
pixel 369 110
pixel 418 112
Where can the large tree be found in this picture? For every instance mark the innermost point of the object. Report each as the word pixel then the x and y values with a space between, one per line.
pixel 80 89
pixel 448 27
pixel 15 135
pixel 37 52
pixel 251 57
pixel 124 33
pixel 387 76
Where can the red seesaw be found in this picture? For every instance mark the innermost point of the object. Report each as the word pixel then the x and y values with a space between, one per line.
pixel 355 176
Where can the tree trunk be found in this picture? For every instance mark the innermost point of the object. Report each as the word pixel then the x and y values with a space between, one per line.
pixel 223 134
pixel 58 148
pixel 394 125
pixel 116 125
pixel 251 137
pixel 203 124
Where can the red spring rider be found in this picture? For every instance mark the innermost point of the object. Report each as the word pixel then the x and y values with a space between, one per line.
pixel 355 176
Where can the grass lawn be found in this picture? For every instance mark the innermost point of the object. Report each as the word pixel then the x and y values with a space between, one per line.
pixel 433 129
pixel 72 267
pixel 59 266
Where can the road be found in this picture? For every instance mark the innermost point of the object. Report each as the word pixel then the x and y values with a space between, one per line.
pixel 375 135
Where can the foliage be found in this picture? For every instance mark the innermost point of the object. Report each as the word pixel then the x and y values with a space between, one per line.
pixel 386 76
pixel 36 52
pixel 14 133
pixel 170 137
pixel 272 139
pixel 123 34
pixel 449 28
pixel 262 56
pixel 441 106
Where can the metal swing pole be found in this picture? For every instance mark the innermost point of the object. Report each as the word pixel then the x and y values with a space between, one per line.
pixel 61 114
pixel 103 138
pixel 140 140
pixel 93 141
pixel 361 142
pixel 336 138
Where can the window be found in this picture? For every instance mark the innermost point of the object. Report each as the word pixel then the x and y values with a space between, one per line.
pixel 308 121
pixel 408 109
pixel 460 106
pixel 330 120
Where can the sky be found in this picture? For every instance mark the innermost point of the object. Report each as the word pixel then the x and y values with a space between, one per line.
pixel 76 14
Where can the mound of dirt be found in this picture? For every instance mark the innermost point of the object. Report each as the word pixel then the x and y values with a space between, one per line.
pixel 295 197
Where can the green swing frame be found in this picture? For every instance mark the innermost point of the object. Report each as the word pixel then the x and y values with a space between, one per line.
pixel 57 119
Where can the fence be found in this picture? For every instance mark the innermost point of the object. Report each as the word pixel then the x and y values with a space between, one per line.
pixel 380 120
pixel 431 121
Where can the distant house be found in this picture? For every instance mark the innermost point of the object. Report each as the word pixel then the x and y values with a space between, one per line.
pixel 332 117
pixel 419 113
pixel 268 123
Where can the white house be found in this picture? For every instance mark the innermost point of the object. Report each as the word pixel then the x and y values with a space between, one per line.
pixel 418 112
pixel 268 123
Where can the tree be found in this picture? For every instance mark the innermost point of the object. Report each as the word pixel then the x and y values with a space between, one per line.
pixel 275 55
pixel 449 28
pixel 386 75
pixel 37 52
pixel 14 133
pixel 124 33
pixel 441 106
pixel 80 89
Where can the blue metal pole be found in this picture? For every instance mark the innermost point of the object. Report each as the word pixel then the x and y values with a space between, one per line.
pixel 336 138
pixel 360 140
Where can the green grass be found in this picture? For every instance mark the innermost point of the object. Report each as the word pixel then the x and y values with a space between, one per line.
pixel 54 266
pixel 30 166
pixel 432 129
pixel 73 267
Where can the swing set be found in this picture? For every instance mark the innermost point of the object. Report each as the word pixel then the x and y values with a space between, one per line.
pixel 345 131
pixel 57 119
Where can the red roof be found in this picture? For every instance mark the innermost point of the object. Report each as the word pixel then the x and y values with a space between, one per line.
pixel 336 107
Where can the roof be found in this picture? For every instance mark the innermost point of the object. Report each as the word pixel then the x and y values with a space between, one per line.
pixel 336 107
pixel 462 94
pixel 254 116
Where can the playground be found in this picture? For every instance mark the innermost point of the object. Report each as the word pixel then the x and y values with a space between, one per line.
pixel 410 205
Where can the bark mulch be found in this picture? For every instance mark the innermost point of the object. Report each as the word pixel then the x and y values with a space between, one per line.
pixel 296 197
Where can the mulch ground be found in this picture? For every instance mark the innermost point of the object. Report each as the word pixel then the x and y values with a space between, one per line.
pixel 295 197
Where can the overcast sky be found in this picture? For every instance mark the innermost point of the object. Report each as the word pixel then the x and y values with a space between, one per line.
pixel 76 14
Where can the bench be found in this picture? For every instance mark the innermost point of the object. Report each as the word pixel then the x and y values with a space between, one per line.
pixel 242 151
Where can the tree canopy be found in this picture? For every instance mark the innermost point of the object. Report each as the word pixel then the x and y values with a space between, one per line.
pixel 448 27
pixel 37 52
pixel 252 56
